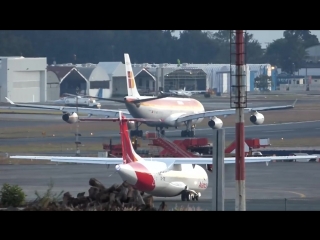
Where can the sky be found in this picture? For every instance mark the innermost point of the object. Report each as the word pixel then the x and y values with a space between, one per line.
pixel 267 36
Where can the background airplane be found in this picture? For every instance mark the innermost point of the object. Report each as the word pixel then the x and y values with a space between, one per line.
pixel 184 93
pixel 173 111
pixel 78 101
pixel 160 177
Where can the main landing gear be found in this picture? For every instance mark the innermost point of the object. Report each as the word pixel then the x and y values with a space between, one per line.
pixel 136 132
pixel 160 131
pixel 190 130
pixel 187 195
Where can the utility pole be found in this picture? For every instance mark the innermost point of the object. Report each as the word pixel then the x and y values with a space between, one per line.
pixel 238 100
pixel 77 142
pixel 218 185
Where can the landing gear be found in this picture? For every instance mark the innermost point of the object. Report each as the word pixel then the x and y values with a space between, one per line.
pixel 185 195
pixel 187 133
pixel 190 130
pixel 136 132
pixel 188 195
pixel 161 131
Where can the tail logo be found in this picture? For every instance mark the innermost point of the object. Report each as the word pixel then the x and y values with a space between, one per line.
pixel 130 80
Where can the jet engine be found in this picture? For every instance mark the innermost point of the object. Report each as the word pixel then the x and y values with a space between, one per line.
pixel 215 123
pixel 70 117
pixel 131 125
pixel 257 118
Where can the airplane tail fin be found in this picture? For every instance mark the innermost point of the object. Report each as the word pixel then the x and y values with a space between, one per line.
pixel 131 83
pixel 128 152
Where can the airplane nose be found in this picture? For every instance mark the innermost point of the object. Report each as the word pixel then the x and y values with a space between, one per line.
pixel 127 173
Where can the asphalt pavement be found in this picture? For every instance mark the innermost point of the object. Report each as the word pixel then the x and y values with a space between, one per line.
pixel 272 131
pixel 279 186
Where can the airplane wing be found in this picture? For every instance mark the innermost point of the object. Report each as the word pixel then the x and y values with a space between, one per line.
pixel 226 112
pixel 196 160
pixel 89 111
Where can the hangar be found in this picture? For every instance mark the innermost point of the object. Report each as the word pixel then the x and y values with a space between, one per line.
pixel 23 79
pixel 189 78
pixel 145 80
pixel 108 79
pixel 65 78
pixel 196 76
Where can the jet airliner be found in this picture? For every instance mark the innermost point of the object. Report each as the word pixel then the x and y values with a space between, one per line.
pixel 160 177
pixel 173 111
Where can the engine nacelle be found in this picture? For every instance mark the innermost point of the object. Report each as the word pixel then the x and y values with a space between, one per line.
pixel 131 125
pixel 257 118
pixel 215 123
pixel 70 117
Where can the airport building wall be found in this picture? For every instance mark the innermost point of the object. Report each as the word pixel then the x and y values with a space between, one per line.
pixel 217 75
pixel 23 79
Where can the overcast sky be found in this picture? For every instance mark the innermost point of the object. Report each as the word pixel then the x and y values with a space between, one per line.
pixel 267 36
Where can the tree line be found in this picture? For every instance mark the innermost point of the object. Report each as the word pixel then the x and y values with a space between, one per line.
pixel 153 46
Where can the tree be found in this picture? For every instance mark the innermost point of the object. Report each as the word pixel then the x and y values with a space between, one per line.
pixel 254 52
pixel 263 82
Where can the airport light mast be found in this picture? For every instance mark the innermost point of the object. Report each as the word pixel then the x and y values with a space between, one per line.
pixel 238 100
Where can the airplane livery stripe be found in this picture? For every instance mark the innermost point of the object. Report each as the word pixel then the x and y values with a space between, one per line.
pixel 145 181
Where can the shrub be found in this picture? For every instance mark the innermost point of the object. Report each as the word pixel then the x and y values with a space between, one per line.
pixel 12 195
pixel 48 197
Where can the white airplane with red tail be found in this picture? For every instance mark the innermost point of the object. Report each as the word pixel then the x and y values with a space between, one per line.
pixel 160 177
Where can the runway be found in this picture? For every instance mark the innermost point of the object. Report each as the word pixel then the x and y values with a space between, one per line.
pixel 266 187
pixel 272 131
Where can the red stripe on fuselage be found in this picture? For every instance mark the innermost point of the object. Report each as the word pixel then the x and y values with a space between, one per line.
pixel 145 180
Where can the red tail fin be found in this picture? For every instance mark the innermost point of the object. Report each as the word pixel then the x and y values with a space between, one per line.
pixel 128 153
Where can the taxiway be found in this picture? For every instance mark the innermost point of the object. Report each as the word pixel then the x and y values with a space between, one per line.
pixel 279 186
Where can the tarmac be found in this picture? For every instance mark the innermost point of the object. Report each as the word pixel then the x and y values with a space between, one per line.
pixel 272 131
pixel 279 186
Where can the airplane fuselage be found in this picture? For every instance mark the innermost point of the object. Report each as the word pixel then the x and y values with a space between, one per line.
pixel 161 180
pixel 166 109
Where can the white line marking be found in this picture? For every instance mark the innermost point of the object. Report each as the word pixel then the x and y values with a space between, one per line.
pixel 278 131
pixel 250 126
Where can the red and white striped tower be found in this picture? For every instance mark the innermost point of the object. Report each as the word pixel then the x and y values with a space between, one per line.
pixel 239 101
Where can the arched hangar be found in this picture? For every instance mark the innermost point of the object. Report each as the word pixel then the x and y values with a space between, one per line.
pixel 108 79
pixel 63 79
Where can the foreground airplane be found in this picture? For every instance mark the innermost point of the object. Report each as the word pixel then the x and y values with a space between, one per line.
pixel 160 177
pixel 173 111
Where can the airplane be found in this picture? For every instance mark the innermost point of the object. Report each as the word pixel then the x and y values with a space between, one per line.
pixel 159 177
pixel 174 111
pixel 184 93
pixel 72 100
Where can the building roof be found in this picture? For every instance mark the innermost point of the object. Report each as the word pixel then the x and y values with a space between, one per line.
pixel 60 71
pixel 144 72
pixel 86 71
pixel 114 68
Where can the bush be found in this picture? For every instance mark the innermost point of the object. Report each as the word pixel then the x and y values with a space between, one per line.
pixel 48 197
pixel 12 195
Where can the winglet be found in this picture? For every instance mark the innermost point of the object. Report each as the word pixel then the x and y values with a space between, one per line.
pixel 9 101
pixel 294 103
